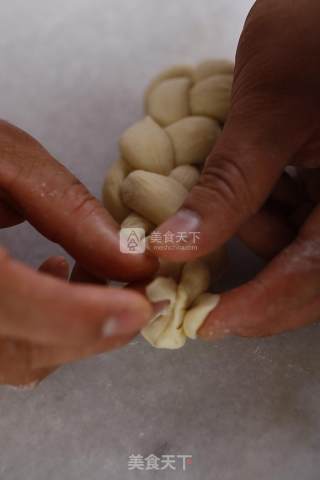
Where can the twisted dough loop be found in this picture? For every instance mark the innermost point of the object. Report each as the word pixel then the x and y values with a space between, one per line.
pixel 160 160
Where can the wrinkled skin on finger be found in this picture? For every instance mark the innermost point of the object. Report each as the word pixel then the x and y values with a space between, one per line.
pixel 24 363
pixel 245 188
pixel 37 188
pixel 44 320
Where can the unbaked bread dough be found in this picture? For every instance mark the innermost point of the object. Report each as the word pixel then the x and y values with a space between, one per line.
pixel 187 308
pixel 161 158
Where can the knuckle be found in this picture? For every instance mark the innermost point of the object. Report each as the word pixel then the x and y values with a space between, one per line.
pixel 225 180
pixel 79 201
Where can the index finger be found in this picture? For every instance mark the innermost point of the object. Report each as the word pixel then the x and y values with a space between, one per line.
pixel 62 209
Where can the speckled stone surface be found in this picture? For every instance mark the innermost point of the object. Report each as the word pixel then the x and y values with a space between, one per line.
pixel 72 74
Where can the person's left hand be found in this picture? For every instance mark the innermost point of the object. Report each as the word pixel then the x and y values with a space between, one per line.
pixel 26 363
pixel 46 321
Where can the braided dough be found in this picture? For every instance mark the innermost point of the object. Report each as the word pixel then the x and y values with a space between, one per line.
pixel 160 161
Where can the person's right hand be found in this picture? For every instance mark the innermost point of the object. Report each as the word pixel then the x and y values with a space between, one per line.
pixel 44 320
pixel 244 189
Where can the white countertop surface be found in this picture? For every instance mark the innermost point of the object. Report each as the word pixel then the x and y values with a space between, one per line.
pixel 72 73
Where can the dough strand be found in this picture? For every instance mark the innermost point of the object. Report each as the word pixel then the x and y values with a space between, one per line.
pixel 160 161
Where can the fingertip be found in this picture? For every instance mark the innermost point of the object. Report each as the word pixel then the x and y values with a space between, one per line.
pixel 184 220
pixel 211 330
pixel 179 238
pixel 240 311
pixel 136 267
pixel 214 327
pixel 129 308
pixel 56 266
pixel 81 275
pixel 99 252
pixel 140 304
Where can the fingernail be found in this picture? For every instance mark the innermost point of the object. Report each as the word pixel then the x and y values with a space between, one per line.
pixel 184 220
pixel 110 327
pixel 124 324
pixel 160 307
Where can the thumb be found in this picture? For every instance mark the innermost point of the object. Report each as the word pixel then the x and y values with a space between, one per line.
pixel 236 180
